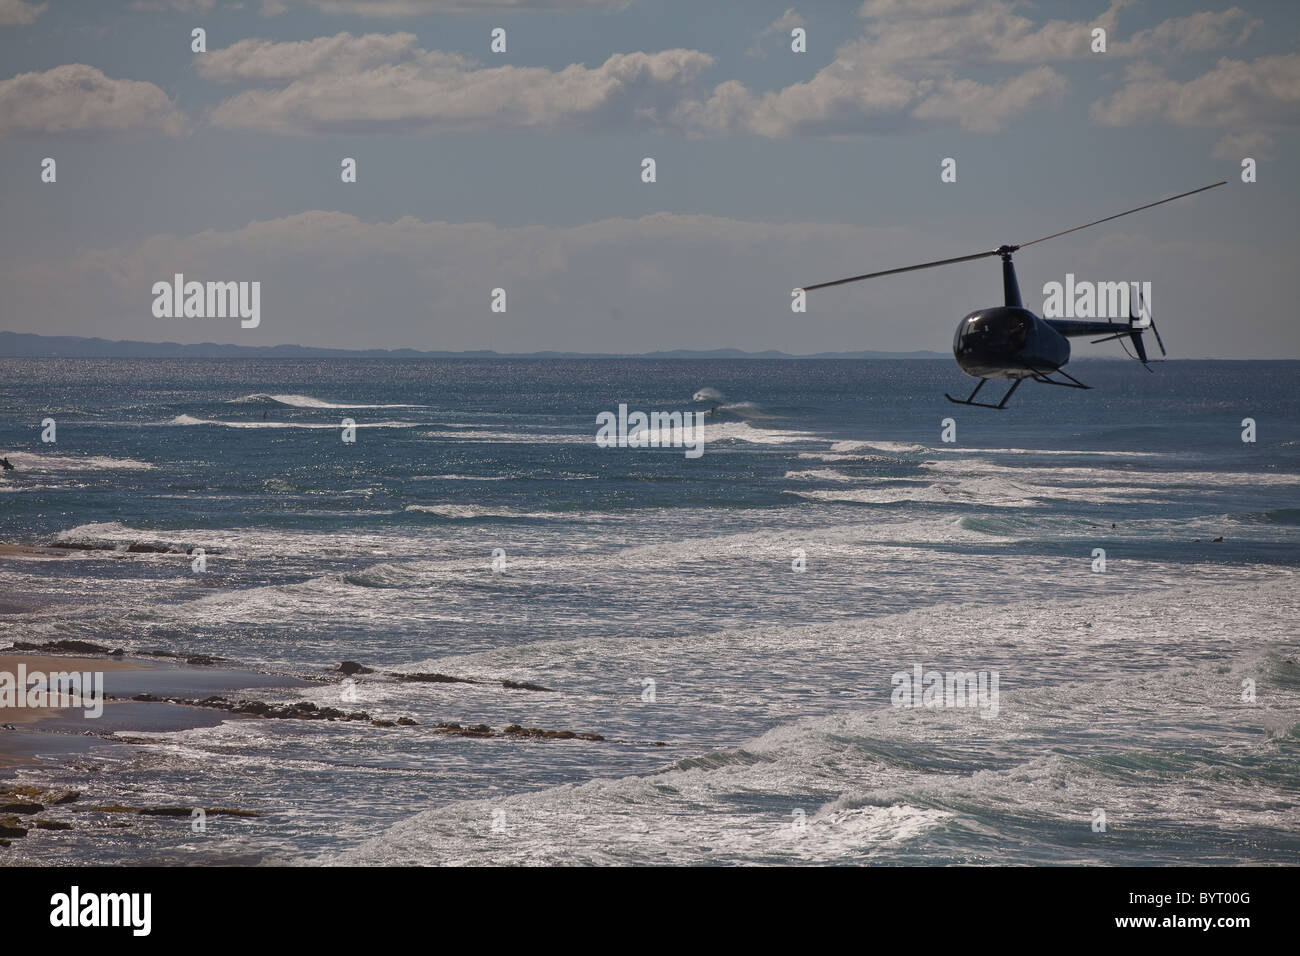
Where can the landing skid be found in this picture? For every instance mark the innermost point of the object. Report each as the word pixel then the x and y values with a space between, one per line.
pixel 969 400
pixel 1041 376
pixel 1037 374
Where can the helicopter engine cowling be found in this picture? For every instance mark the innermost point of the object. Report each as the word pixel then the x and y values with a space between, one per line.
pixel 1007 342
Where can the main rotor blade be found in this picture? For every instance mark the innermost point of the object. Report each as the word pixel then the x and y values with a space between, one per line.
pixel 1117 215
pixel 889 272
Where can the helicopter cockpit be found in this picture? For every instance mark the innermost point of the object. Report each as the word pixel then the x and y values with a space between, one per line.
pixel 997 331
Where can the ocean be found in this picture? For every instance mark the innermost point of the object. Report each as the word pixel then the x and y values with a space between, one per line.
pixel 738 626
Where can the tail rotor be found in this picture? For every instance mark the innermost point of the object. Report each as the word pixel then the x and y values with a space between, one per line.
pixel 1138 324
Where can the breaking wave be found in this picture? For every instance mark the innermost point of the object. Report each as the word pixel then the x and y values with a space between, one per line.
pixel 303 401
pixel 191 420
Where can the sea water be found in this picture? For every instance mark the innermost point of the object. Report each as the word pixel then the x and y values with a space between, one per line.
pixel 733 625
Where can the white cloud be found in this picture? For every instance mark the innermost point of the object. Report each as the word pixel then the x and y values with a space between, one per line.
pixel 852 96
pixel 1197 33
pixel 973 31
pixel 1236 94
pixel 411 8
pixel 906 70
pixel 1235 148
pixel 990 31
pixel 659 281
pixel 19 12
pixel 781 25
pixel 255 60
pixel 183 6
pixel 77 97
pixel 384 83
pixel 985 107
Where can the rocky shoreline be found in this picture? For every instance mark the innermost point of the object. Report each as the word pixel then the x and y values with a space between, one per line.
pixel 25 808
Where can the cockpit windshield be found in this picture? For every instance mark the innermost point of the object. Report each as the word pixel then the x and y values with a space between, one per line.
pixel 1001 331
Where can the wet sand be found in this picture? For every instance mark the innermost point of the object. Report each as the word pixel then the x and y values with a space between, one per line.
pixel 29 552
pixel 52 732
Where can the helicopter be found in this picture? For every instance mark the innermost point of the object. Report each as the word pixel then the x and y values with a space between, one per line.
pixel 1010 342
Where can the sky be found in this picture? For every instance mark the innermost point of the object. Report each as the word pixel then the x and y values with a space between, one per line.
pixel 522 170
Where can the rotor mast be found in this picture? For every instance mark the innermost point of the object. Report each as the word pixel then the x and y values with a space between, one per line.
pixel 1010 287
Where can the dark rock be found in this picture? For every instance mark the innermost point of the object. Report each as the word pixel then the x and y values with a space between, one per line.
pixel 23 808
pixel 22 791
pixel 204 660
pixel 407 722
pixel 12 827
pixel 524 685
pixel 382 723
pixel 537 733
pixel 432 679
pixel 1216 540
pixel 165 811
pixel 478 730
pixel 68 646
pixel 352 667
pixel 302 710
pixel 52 825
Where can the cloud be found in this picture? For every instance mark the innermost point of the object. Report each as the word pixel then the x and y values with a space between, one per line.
pixel 1235 148
pixel 973 31
pixel 904 71
pixel 378 82
pixel 986 108
pixel 19 12
pixel 255 60
pixel 412 8
pixel 990 31
pixel 658 281
pixel 386 82
pixel 77 97
pixel 852 96
pixel 782 25
pixel 1197 33
pixel 1236 94
pixel 183 6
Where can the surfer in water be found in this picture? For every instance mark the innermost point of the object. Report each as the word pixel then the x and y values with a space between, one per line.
pixel 7 466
